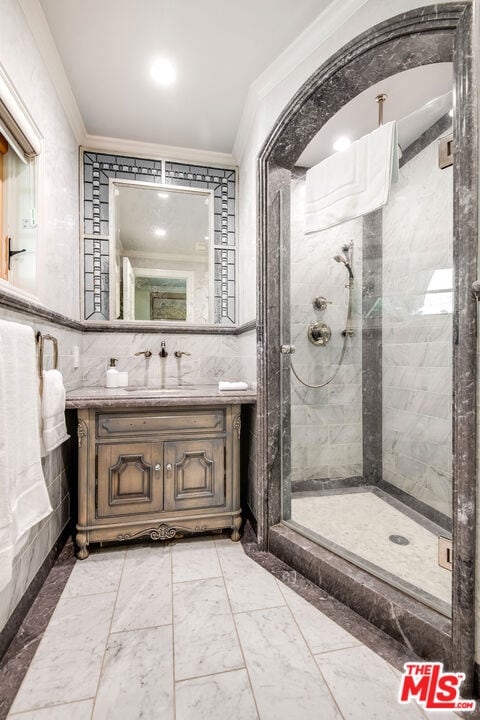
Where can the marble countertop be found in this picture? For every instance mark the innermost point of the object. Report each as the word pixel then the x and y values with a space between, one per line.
pixel 101 397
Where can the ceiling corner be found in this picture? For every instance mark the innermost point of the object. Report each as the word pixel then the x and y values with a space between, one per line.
pixel 40 30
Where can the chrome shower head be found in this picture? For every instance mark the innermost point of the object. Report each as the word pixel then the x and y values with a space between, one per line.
pixel 345 259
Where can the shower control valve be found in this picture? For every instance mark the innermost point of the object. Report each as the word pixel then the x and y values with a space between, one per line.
pixel 287 349
pixel 320 303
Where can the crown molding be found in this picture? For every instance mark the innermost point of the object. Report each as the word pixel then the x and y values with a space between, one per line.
pixel 40 30
pixel 306 44
pixel 137 148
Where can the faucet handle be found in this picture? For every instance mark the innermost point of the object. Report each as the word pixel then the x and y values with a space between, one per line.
pixel 179 353
pixel 147 353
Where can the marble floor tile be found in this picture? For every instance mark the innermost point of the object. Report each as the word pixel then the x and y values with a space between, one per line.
pixel 321 633
pixel 249 586
pixel 285 680
pixel 194 559
pixel 137 676
pixel 204 631
pixel 67 664
pixel 70 711
pixel 216 697
pixel 145 591
pixel 99 573
pixel 364 685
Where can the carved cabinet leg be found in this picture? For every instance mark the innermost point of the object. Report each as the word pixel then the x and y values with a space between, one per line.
pixel 81 540
pixel 237 524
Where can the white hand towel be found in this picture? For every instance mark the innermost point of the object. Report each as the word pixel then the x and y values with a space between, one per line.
pixel 53 410
pixel 352 182
pixel 24 498
pixel 223 385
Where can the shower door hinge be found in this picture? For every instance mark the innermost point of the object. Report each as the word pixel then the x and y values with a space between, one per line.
pixel 445 151
pixel 445 551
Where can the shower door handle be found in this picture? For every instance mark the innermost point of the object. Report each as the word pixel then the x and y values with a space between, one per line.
pixel 476 289
pixel 287 349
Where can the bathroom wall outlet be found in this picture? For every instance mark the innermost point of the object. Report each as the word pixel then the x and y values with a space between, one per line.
pixel 76 356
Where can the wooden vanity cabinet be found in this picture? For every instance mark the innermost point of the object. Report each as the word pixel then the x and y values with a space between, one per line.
pixel 157 473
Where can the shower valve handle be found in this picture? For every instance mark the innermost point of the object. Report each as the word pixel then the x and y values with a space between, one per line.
pixel 287 349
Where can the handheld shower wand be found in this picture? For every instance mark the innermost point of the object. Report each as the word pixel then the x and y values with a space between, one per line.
pixel 345 259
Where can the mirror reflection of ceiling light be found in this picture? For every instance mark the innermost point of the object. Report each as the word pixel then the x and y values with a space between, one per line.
pixel 160 232
pixel 205 237
pixel 341 143
pixel 163 195
pixel 163 72
pixel 451 112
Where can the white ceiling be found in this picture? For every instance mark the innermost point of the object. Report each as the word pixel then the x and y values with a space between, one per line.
pixel 417 98
pixel 219 47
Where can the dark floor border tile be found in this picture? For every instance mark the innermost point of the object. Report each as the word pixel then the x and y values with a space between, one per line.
pixel 23 632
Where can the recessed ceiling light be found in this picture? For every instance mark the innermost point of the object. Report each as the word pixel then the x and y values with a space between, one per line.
pixel 163 72
pixel 451 112
pixel 341 143
pixel 163 195
pixel 160 232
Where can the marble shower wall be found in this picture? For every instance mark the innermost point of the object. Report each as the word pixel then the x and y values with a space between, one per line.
pixel 58 468
pixel 417 348
pixel 326 424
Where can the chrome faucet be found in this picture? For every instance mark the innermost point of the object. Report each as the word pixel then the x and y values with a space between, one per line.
pixel 163 351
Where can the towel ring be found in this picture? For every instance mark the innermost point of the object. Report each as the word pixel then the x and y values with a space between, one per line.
pixel 40 340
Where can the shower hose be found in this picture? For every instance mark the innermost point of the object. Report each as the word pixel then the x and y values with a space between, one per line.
pixel 346 334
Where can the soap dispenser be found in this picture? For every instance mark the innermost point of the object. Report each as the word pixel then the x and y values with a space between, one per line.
pixel 112 374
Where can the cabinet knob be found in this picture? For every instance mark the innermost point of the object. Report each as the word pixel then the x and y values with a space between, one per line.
pixel 158 467
pixel 169 466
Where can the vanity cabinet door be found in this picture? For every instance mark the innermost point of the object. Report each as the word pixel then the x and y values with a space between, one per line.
pixel 129 479
pixel 194 474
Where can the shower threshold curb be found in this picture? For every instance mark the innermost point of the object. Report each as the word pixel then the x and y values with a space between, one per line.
pixel 421 630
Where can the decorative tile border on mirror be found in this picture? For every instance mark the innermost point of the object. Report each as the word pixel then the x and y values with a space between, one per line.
pixel 98 168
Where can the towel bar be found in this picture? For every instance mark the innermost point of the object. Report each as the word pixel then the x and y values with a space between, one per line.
pixel 40 340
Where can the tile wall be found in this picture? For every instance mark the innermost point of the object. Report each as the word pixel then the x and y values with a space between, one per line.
pixel 58 468
pixel 417 345
pixel 326 423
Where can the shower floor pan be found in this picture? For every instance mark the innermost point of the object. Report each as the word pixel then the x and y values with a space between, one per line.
pixel 358 524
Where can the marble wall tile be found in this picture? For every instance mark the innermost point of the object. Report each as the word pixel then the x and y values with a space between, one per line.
pixel 417 352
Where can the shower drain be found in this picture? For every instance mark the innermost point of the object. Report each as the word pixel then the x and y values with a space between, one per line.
pixel 399 540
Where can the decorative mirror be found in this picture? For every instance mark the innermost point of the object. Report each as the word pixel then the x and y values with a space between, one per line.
pixel 172 294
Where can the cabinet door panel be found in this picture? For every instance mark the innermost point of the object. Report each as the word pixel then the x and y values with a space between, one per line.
pixel 129 479
pixel 194 474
